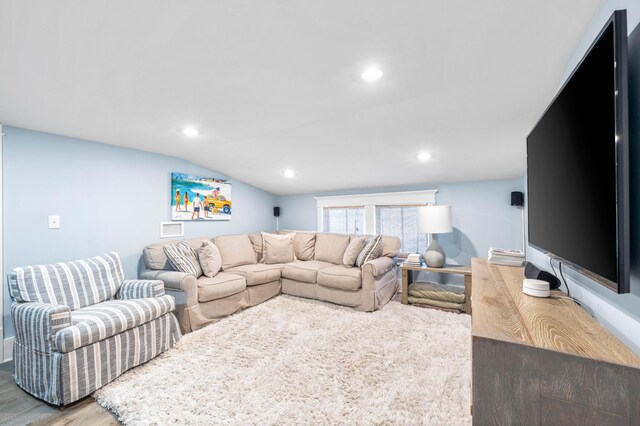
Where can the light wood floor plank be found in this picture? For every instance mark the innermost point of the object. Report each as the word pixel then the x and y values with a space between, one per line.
pixel 19 408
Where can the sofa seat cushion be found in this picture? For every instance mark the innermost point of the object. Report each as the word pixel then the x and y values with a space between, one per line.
pixel 339 276
pixel 100 321
pixel 222 285
pixel 259 273
pixel 306 272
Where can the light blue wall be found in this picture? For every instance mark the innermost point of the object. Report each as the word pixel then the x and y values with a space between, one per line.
pixel 108 198
pixel 620 313
pixel 482 215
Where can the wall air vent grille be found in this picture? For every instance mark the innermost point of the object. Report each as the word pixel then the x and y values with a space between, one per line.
pixel 171 229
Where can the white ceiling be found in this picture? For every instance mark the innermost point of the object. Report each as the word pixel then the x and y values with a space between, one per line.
pixel 276 84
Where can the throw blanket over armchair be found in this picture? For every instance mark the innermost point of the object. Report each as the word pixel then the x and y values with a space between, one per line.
pixel 79 325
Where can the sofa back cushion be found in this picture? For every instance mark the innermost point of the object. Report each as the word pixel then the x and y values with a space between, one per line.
pixel 235 250
pixel 305 245
pixel 76 284
pixel 331 247
pixel 155 258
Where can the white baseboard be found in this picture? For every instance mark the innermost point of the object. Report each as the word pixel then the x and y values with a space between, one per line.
pixel 8 349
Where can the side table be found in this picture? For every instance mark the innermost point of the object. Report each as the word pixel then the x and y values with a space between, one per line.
pixel 407 278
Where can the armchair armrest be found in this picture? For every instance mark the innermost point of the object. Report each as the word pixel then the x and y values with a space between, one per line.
pixel 36 324
pixel 140 289
pixel 177 281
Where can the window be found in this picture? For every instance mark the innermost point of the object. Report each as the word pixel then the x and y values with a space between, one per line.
pixel 386 213
pixel 402 222
pixel 345 220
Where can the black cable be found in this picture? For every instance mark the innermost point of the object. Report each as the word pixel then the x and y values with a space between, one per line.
pixel 555 273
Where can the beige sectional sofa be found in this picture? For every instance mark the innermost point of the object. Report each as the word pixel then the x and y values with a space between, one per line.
pixel 317 273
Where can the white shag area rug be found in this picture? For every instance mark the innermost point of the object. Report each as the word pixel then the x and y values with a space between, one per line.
pixel 297 361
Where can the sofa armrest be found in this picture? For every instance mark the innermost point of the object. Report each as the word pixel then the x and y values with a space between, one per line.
pixel 140 289
pixel 376 270
pixel 379 266
pixel 36 324
pixel 174 280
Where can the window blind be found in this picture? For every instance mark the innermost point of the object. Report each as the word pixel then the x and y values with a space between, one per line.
pixel 346 220
pixel 401 222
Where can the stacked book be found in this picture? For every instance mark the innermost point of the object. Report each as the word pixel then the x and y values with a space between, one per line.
pixel 506 257
pixel 413 260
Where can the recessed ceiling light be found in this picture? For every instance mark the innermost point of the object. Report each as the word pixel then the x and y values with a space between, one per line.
pixel 190 132
pixel 289 173
pixel 424 156
pixel 372 74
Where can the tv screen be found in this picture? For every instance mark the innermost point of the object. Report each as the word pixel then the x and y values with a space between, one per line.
pixel 577 172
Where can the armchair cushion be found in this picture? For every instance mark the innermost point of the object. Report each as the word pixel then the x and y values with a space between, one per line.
pixel 140 289
pixel 106 319
pixel 76 284
pixel 36 324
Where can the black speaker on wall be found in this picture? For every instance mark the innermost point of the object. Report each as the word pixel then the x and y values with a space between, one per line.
pixel 517 198
pixel 276 211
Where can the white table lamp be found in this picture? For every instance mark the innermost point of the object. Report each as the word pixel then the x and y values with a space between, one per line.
pixel 435 220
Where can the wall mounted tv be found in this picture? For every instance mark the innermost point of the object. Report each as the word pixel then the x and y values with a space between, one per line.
pixel 577 165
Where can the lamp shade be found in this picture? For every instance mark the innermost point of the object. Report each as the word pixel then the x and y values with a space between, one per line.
pixel 435 219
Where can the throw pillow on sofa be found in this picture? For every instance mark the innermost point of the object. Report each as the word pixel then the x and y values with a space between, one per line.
pixel 372 250
pixel 183 258
pixel 210 259
pixel 353 250
pixel 278 248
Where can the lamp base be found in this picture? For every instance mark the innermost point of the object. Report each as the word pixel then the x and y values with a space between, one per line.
pixel 434 256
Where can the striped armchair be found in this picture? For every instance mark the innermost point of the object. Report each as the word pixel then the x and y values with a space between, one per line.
pixel 79 325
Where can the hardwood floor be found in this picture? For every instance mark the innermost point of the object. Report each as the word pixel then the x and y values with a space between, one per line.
pixel 19 408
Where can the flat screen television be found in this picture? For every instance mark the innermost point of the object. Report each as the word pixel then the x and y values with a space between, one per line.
pixel 577 165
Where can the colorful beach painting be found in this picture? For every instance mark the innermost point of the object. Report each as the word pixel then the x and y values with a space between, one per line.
pixel 200 198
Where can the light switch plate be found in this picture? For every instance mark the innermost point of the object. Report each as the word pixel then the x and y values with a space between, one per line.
pixel 54 222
